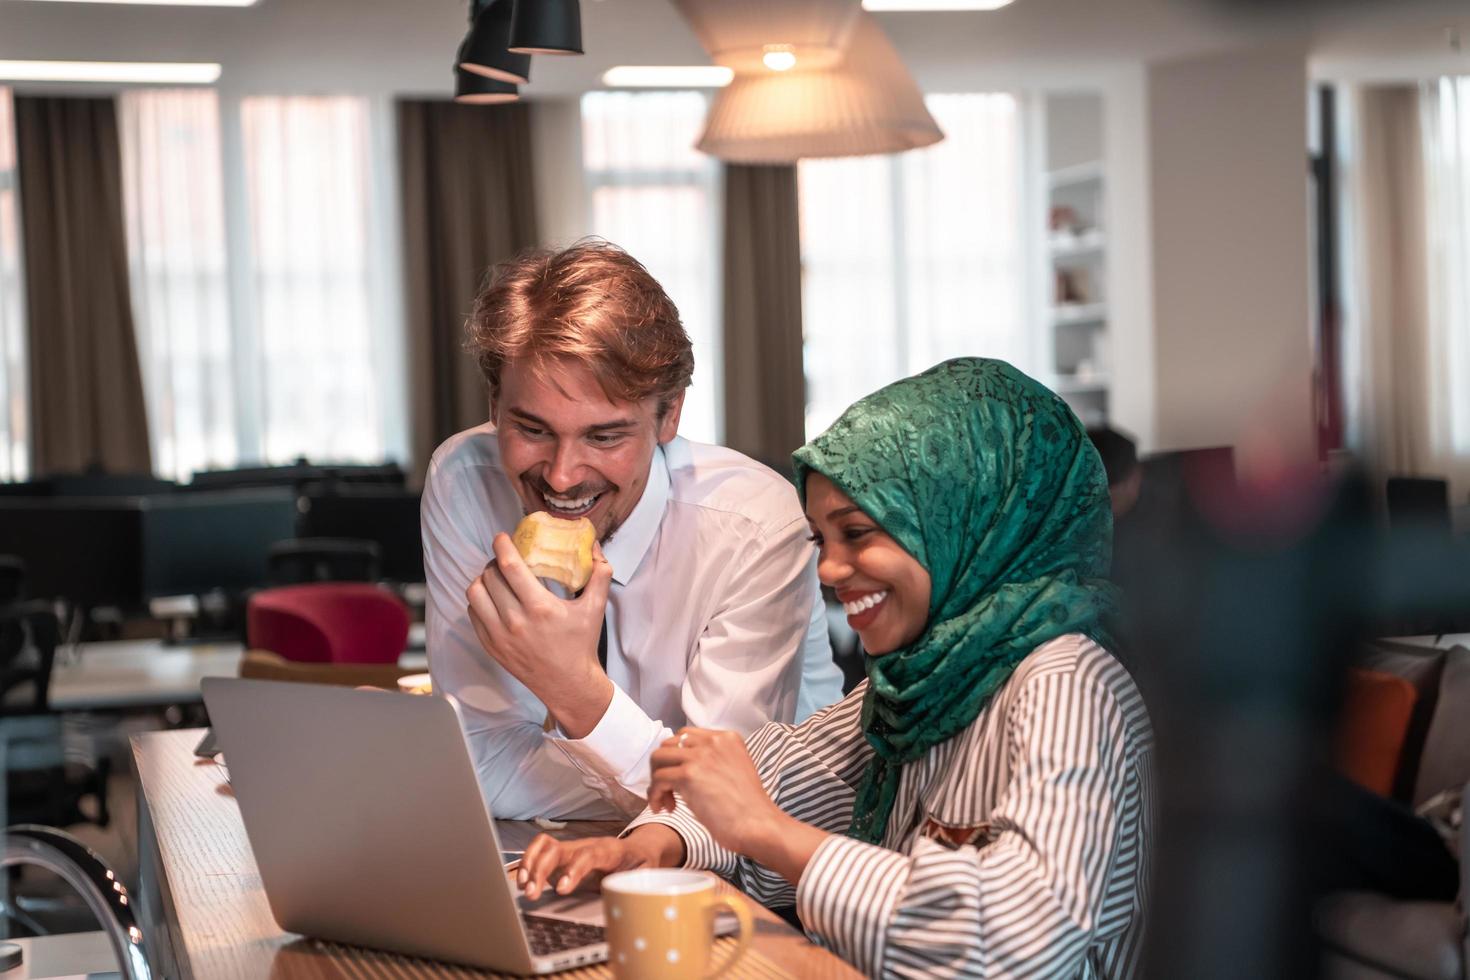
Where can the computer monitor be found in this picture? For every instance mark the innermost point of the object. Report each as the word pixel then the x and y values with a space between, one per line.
pixel 388 516
pixel 196 543
pixel 298 475
pixel 123 551
pixel 87 550
pixel 89 485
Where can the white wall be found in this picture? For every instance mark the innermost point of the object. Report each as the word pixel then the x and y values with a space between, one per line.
pixel 1228 201
pixel 561 185
pixel 1129 220
pixel 1074 128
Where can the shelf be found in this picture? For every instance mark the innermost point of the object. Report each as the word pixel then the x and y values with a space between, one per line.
pixel 1074 176
pixel 1085 245
pixel 1070 384
pixel 1072 314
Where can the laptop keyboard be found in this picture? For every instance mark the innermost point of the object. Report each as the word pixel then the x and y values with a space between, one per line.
pixel 548 935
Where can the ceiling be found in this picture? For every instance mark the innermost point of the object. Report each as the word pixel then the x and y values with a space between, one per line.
pixel 405 46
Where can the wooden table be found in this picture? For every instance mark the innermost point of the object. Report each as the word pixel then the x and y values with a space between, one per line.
pixel 206 916
pixel 131 674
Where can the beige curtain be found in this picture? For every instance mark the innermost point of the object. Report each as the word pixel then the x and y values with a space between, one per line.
pixel 87 405
pixel 468 203
pixel 765 389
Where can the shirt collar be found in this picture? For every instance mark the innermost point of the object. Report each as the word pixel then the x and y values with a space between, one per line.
pixel 631 541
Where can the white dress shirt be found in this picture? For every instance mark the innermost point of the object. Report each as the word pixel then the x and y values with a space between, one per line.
pixel 714 619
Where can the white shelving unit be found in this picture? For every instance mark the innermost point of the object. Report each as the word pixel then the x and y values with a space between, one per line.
pixel 1076 174
pixel 1075 252
pixel 1079 314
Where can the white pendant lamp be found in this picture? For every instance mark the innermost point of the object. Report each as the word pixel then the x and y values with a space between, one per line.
pixel 751 35
pixel 869 103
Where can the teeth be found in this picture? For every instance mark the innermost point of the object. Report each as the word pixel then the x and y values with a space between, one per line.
pixel 569 503
pixel 865 603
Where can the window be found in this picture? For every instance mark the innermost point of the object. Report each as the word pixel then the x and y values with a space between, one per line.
pixel 309 187
pixel 911 259
pixel 657 197
pixel 267 325
pixel 174 205
pixel 1445 107
pixel 14 393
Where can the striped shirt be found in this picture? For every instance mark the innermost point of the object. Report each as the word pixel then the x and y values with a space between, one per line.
pixel 1018 848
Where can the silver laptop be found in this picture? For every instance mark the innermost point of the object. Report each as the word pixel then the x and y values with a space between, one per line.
pixel 369 828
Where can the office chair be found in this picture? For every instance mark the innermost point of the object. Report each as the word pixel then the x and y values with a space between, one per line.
pixel 1420 501
pixel 42 787
pixel 300 560
pixel 96 884
pixel 12 579
pixel 328 622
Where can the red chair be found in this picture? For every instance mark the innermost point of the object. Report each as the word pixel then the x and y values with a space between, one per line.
pixel 329 622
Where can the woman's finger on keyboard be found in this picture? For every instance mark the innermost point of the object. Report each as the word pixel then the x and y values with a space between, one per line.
pixel 542 857
pixel 595 858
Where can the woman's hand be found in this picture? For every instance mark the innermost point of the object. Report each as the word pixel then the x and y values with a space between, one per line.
pixel 714 776
pixel 567 864
pixel 712 773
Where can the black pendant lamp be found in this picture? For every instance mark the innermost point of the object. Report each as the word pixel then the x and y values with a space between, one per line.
pixel 546 27
pixel 485 49
pixel 473 89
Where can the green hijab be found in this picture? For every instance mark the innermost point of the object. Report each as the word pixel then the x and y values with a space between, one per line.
pixel 990 482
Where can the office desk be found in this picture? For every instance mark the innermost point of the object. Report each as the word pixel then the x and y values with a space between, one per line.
pixel 206 916
pixel 138 674
pixel 148 674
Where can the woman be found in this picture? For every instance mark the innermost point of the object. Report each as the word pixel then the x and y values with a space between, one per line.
pixel 981 804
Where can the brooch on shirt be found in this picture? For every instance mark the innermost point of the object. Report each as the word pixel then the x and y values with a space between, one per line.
pixel 956 837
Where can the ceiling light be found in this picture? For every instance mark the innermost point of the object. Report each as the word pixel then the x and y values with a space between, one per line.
pixel 546 27
pixel 779 57
pixel 471 88
pixel 737 33
pixel 868 104
pixel 933 5
pixel 171 3
pixel 147 72
pixel 667 76
pixel 484 49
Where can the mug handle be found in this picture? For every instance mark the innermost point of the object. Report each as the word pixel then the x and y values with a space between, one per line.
pixel 747 928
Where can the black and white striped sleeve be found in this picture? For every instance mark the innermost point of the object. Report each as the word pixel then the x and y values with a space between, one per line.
pixel 1032 899
pixel 810 770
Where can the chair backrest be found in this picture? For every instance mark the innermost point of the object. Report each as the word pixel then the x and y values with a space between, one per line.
pixel 12 579
pixel 299 560
pixel 1419 501
pixel 29 633
pixel 329 622
pixel 266 666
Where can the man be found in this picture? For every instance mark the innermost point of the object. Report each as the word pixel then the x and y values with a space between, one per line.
pixel 705 581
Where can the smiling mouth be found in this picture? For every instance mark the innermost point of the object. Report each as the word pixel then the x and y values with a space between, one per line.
pixel 870 601
pixel 569 507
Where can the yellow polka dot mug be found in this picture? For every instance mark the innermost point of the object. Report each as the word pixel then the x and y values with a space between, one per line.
pixel 661 923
